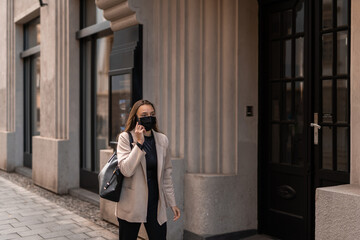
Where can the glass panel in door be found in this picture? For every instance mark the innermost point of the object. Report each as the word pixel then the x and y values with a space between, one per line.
pixel 332 88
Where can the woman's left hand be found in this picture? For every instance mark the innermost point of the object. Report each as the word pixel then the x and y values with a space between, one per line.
pixel 176 212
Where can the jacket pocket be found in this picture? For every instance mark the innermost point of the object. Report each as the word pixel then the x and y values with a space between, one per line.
pixel 126 199
pixel 127 183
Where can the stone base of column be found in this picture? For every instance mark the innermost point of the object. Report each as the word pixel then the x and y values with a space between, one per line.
pixel 8 148
pixel 218 204
pixel 337 212
pixel 55 164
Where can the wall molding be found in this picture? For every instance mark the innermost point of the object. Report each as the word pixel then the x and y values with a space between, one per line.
pixel 119 12
pixel 62 70
pixel 10 68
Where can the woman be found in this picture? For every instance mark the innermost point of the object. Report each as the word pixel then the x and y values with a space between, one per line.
pixel 147 186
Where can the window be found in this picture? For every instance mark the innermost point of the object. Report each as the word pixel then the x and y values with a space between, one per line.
pixel 31 58
pixel 120 103
pixel 96 45
pixel 125 78
pixel 108 89
pixel 95 60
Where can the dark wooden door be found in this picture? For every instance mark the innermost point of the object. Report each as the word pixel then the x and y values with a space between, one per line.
pixel 284 89
pixel 304 110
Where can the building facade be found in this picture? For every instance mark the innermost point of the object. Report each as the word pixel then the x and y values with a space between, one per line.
pixel 258 99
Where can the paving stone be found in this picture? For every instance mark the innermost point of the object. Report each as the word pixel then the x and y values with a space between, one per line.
pixel 6 209
pixel 32 213
pixel 42 225
pixel 5 226
pixel 33 232
pixel 48 219
pixel 13 230
pixel 81 230
pixel 102 233
pixel 9 236
pixel 53 234
pixel 62 227
pixel 4 217
pixel 78 236
pixel 59 238
pixel 27 223
pixel 8 221
pixel 32 237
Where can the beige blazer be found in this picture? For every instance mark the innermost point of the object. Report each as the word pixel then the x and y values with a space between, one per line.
pixel 132 205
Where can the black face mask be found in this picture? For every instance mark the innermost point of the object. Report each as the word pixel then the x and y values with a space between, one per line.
pixel 147 122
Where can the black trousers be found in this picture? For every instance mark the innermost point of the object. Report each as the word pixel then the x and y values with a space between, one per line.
pixel 155 231
pixel 130 231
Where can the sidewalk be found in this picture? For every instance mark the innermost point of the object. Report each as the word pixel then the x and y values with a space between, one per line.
pixel 26 215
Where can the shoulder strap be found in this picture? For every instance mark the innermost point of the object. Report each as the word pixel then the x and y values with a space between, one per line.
pixel 131 140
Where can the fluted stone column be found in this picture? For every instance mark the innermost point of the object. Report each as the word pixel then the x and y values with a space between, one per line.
pixel 222 77
pixel 7 87
pixel 56 154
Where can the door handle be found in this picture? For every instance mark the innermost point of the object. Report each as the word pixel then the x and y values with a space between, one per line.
pixel 315 125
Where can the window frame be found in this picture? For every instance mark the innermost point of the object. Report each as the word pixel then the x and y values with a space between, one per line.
pixel 88 176
pixel 28 55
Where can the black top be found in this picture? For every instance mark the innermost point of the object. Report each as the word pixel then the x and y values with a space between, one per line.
pixel 151 157
pixel 151 172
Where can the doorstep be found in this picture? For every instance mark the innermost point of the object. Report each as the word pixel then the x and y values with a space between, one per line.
pixel 85 195
pixel 24 171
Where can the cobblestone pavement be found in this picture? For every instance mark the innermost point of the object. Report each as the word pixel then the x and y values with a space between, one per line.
pixel 26 215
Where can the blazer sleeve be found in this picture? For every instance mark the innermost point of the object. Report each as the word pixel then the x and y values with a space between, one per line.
pixel 128 159
pixel 167 182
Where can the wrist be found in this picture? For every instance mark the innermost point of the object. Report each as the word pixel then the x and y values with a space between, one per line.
pixel 140 145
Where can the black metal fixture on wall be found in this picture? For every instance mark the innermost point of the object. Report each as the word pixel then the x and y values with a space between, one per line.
pixel 42 3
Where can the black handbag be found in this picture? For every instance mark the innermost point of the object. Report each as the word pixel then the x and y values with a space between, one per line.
pixel 110 178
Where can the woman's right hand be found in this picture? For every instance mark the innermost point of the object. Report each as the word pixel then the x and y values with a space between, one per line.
pixel 139 133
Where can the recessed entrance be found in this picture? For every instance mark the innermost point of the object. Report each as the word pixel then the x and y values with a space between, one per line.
pixel 304 110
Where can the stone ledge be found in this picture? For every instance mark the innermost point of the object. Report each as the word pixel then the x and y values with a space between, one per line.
pixel 337 212
pixel 24 171
pixel 85 195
